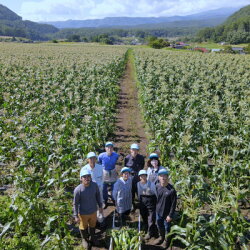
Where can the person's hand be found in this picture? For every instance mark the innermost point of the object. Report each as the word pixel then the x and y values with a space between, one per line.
pixel 168 219
pixel 101 210
pixel 77 220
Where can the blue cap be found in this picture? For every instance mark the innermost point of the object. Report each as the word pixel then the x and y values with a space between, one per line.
pixel 163 171
pixel 125 169
pixel 84 171
pixel 109 143
pixel 134 146
pixel 143 171
pixel 153 155
pixel 91 154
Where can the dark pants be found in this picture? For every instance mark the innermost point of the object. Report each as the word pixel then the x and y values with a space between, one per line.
pixel 105 191
pixel 123 217
pixel 147 211
pixel 163 225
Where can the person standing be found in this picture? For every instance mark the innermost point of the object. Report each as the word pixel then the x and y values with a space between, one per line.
pixel 165 206
pixel 147 198
pixel 122 194
pixel 108 161
pixel 86 199
pixel 154 166
pixel 135 162
pixel 96 175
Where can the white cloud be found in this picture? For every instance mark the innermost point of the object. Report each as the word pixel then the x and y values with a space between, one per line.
pixel 47 10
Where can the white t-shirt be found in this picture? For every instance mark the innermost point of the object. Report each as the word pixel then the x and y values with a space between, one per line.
pixel 96 174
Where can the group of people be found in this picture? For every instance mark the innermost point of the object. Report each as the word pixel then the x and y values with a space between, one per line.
pixel 157 197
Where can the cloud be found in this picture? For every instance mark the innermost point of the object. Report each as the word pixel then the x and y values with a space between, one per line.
pixel 47 10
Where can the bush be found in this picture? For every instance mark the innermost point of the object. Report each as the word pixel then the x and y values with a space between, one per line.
pixel 157 43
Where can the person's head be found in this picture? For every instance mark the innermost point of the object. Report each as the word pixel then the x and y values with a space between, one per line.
pixel 125 172
pixel 91 157
pixel 163 177
pixel 143 175
pixel 109 147
pixel 85 177
pixel 153 161
pixel 134 149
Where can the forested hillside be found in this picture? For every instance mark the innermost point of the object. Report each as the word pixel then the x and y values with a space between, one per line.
pixel 12 25
pixel 236 29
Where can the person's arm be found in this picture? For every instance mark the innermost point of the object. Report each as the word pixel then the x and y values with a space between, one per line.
pixel 173 203
pixel 98 199
pixel 142 163
pixel 76 203
pixel 115 191
pixel 138 190
pixel 100 159
pixel 125 161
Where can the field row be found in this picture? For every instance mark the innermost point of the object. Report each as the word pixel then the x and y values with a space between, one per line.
pixel 57 104
pixel 197 108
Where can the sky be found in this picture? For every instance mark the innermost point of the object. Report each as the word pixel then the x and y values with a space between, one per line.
pixel 60 10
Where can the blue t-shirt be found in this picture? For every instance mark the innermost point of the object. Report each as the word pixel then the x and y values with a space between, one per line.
pixel 108 162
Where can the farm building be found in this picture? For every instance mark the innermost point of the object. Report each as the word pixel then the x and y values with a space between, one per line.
pixel 204 50
pixel 239 50
pixel 215 50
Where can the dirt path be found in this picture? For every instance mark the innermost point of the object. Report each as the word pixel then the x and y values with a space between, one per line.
pixel 129 124
pixel 129 129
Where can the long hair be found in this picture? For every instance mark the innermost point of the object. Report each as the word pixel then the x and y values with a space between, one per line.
pixel 149 163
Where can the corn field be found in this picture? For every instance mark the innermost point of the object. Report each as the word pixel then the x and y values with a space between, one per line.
pixel 58 102
pixel 197 110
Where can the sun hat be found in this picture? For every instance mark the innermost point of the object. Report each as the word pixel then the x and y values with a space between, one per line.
pixel 84 172
pixel 134 146
pixel 153 155
pixel 143 171
pixel 125 169
pixel 91 154
pixel 163 171
pixel 109 143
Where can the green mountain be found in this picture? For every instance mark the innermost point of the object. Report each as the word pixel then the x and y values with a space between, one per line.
pixel 12 25
pixel 7 14
pixel 238 15
pixel 235 30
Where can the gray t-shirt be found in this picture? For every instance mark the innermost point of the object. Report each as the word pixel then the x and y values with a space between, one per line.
pixel 86 199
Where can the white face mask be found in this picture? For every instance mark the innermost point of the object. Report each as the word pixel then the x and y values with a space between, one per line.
pixel 154 163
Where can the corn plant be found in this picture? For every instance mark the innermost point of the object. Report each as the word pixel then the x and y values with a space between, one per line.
pixel 197 110
pixel 125 239
pixel 56 104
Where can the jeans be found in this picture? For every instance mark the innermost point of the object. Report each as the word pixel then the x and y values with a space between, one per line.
pixel 105 191
pixel 163 225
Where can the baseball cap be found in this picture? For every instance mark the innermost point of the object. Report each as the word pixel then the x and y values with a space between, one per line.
pixel 134 146
pixel 91 154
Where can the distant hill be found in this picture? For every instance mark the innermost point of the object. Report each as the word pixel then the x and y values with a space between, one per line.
pixel 12 25
pixel 235 30
pixel 219 15
pixel 7 14
pixel 243 13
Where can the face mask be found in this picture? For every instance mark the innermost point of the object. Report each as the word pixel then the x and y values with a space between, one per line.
pixel 154 163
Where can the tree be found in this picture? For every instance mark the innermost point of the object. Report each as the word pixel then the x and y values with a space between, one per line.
pixel 157 43
pixel 228 49
pixel 247 49
pixel 74 38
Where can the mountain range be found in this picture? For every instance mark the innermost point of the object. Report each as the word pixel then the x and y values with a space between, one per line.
pixel 216 16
